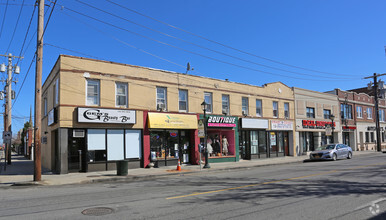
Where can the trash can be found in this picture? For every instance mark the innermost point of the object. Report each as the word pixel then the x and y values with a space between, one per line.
pixel 122 168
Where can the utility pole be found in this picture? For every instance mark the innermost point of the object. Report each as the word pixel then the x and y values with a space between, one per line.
pixel 375 87
pixel 8 101
pixel 38 96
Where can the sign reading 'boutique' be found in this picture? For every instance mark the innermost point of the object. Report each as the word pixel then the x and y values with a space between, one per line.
pixel 100 115
pixel 221 121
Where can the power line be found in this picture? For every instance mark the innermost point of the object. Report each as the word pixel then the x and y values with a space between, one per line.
pixel 47 44
pixel 188 51
pixel 224 45
pixel 2 25
pixel 26 34
pixel 14 31
pixel 203 47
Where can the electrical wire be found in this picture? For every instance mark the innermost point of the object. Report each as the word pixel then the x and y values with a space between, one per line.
pixel 188 51
pixel 203 47
pixel 5 13
pixel 224 45
pixel 14 30
pixel 26 35
pixel 51 45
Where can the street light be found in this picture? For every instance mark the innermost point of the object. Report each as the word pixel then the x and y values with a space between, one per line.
pixel 204 106
pixel 332 117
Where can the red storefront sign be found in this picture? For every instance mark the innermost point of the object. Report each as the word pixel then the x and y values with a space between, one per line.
pixel 316 124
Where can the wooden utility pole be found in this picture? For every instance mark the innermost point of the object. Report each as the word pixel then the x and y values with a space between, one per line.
pixel 377 127
pixel 38 96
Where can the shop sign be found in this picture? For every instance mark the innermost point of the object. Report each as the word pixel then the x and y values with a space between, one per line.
pixel 100 115
pixel 173 121
pixel 201 129
pixel 282 125
pixel 371 128
pixel 221 121
pixel 254 123
pixel 273 138
pixel 316 124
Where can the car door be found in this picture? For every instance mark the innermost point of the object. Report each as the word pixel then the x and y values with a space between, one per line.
pixel 339 151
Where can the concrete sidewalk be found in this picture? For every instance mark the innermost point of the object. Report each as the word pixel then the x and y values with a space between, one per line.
pixel 20 172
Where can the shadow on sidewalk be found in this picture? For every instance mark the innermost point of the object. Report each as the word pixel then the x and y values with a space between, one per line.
pixel 19 166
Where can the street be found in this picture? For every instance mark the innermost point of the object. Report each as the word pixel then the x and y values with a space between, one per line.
pixel 343 189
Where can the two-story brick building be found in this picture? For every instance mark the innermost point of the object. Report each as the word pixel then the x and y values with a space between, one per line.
pixel 98 112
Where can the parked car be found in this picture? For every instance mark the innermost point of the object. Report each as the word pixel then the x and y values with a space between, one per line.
pixel 331 152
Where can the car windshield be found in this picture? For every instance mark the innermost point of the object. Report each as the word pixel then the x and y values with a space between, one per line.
pixel 326 147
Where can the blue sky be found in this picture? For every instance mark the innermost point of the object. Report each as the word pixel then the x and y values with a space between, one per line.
pixel 333 44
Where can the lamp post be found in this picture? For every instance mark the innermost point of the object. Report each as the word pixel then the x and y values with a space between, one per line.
pixel 332 117
pixel 204 105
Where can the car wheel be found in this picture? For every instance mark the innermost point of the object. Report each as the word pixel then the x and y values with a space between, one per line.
pixel 349 155
pixel 334 157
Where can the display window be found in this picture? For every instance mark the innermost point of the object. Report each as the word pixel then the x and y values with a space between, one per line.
pixel 170 144
pixel 221 143
pixel 278 142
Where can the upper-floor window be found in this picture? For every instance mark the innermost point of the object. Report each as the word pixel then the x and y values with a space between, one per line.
pixel 45 107
pixel 244 105
pixel 346 111
pixel 121 94
pixel 56 91
pixel 259 108
pixel 359 112
pixel 326 114
pixel 93 92
pixel 369 113
pixel 225 104
pixel 286 110
pixel 310 112
pixel 183 100
pixel 161 98
pixel 275 107
pixel 208 99
pixel 382 115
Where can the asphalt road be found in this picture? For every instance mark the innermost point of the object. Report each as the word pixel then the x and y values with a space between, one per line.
pixel 344 189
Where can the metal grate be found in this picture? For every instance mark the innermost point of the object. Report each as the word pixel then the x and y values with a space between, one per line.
pixel 78 133
pixel 98 211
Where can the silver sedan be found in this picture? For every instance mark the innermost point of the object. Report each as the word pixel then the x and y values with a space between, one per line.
pixel 331 152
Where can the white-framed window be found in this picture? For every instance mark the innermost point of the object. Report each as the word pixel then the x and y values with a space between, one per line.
pixel 359 112
pixel 382 115
pixel 45 107
pixel 56 91
pixel 275 107
pixel 259 108
pixel 225 104
pixel 183 100
pixel 161 98
pixel 93 92
pixel 310 112
pixel 286 110
pixel 208 99
pixel 244 105
pixel 369 113
pixel 121 94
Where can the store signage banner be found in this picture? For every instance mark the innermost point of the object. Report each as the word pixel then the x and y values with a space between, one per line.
pixel 254 123
pixel 221 121
pixel 173 121
pixel 282 125
pixel 316 124
pixel 106 116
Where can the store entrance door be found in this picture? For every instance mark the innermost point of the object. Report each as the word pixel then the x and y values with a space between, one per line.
pixel 77 155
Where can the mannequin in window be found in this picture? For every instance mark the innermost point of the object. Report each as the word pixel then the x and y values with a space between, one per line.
pixel 225 145
pixel 217 146
pixel 209 147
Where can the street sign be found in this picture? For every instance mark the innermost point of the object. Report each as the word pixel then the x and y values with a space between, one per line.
pixel 7 135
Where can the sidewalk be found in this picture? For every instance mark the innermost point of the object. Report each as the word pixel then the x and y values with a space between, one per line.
pixel 20 172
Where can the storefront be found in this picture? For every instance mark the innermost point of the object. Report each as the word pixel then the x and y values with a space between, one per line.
pixel 221 138
pixel 253 138
pixel 279 137
pixel 170 137
pixel 313 134
pixel 96 146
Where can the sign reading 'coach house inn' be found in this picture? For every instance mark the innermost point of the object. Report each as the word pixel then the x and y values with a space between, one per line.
pixel 100 115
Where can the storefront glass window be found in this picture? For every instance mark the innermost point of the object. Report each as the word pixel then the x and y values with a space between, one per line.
pixel 280 141
pixel 254 142
pixel 262 142
pixel 221 143
pixel 273 143
pixel 170 144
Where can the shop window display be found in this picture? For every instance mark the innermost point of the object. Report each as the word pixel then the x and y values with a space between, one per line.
pixel 170 144
pixel 220 144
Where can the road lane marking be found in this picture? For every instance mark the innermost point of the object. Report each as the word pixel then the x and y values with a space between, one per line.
pixel 269 182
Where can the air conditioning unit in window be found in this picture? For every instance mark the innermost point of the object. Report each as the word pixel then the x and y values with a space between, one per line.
pixel 225 112
pixel 244 113
pixel 78 133
pixel 161 107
